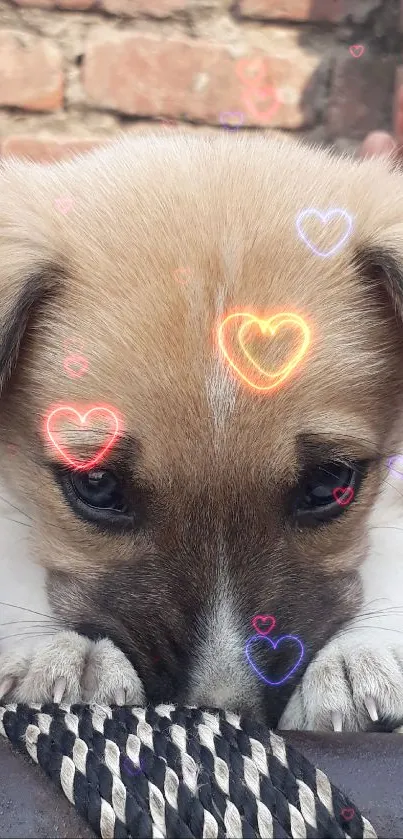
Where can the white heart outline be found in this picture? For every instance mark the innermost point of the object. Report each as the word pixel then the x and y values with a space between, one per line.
pixel 324 218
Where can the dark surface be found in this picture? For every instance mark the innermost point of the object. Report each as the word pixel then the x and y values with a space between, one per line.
pixel 367 767
pixel 31 805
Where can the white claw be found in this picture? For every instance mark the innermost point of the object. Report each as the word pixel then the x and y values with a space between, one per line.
pixel 369 703
pixel 337 721
pixel 120 696
pixel 58 690
pixel 5 686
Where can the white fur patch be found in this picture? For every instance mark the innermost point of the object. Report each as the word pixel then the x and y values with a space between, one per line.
pixel 22 580
pixel 221 676
pixel 221 385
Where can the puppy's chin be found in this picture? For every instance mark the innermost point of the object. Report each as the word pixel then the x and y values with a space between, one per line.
pixel 216 502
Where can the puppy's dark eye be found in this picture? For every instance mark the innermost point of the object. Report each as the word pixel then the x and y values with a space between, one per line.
pixel 96 495
pixel 326 492
pixel 99 488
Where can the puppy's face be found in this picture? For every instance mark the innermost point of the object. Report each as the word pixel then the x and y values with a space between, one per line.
pixel 216 503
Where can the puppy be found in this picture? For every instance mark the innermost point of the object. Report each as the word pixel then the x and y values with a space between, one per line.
pixel 137 578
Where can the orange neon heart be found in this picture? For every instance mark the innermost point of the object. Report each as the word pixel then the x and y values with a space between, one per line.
pixel 272 325
pixel 61 412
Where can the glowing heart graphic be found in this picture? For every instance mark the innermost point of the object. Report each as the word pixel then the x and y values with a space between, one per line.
pixel 260 620
pixel 231 119
pixel 251 70
pixel 393 460
pixel 356 50
pixel 325 218
pixel 347 814
pixel 269 325
pixel 75 365
pixel 64 204
pixel 137 769
pixel 274 645
pixel 168 123
pixel 68 413
pixel 183 275
pixel 343 495
pixel 261 95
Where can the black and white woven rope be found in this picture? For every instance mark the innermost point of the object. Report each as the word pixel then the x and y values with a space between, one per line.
pixel 163 771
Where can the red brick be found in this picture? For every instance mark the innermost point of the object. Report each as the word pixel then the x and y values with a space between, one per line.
pixel 46 150
pixel 314 10
pixel 196 80
pixel 156 8
pixel 360 96
pixel 31 74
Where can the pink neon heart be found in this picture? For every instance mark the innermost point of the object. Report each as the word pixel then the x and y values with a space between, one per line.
pixel 60 413
pixel 258 620
pixel 347 814
pixel 356 50
pixel 343 495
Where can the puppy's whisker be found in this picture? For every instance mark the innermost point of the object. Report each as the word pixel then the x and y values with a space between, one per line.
pixel 28 635
pixel 16 521
pixel 31 623
pixel 23 513
pixel 25 609
pixel 383 611
pixel 386 527
pixel 375 600
pixel 353 629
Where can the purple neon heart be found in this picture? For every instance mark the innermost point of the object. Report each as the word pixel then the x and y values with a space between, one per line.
pixel 274 645
pixel 391 461
pixel 128 769
pixel 224 120
pixel 324 217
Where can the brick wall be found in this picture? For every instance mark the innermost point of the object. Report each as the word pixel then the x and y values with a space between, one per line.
pixel 76 72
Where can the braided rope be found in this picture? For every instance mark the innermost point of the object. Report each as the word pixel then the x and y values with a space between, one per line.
pixel 196 773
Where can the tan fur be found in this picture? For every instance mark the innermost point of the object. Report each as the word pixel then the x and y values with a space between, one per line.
pixel 225 209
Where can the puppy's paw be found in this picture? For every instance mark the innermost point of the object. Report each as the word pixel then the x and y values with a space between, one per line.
pixel 71 668
pixel 353 682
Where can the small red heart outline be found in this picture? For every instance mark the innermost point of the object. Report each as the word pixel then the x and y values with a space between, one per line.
pixel 185 273
pixel 347 814
pixel 257 66
pixel 258 619
pixel 356 50
pixel 69 409
pixel 259 94
pixel 64 204
pixel 75 359
pixel 168 123
pixel 339 492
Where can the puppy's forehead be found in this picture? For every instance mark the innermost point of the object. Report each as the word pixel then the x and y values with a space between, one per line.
pixel 167 239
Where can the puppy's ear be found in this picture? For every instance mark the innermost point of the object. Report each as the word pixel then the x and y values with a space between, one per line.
pixel 382 262
pixel 28 276
pixel 20 300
